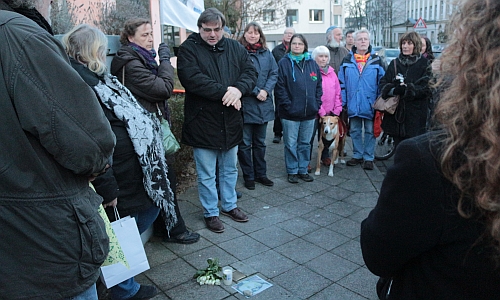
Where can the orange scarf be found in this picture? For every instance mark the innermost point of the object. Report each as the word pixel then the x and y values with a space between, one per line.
pixel 361 60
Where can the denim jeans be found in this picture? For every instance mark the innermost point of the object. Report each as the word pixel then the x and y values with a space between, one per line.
pixel 128 288
pixel 363 148
pixel 206 162
pixel 89 294
pixel 252 151
pixel 297 137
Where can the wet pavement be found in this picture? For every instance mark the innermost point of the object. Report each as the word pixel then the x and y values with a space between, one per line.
pixel 302 238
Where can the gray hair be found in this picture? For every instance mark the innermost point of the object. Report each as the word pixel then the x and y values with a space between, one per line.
pixel 320 50
pixel 284 31
pixel 355 34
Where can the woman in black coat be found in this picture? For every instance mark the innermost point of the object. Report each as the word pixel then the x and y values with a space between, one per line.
pixel 151 84
pixel 411 83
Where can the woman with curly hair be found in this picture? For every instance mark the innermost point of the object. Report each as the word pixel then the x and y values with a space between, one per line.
pixel 435 231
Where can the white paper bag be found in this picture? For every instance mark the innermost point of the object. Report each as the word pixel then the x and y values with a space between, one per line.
pixel 130 241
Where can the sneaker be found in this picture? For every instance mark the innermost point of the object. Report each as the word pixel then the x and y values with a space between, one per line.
pixel 277 139
pixel 292 178
pixel 239 195
pixel 145 292
pixel 354 162
pixel 326 161
pixel 214 224
pixel 368 165
pixel 235 214
pixel 265 181
pixel 306 177
pixel 183 238
pixel 250 184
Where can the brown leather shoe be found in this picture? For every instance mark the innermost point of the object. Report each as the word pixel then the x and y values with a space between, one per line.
pixel 235 214
pixel 368 165
pixel 354 161
pixel 214 224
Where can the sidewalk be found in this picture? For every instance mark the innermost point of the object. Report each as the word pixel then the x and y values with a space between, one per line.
pixel 303 238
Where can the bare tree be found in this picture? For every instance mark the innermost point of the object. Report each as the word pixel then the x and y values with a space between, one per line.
pixel 357 14
pixel 271 14
pixel 109 17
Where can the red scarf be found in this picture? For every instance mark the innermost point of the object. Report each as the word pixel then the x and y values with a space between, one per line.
pixel 253 48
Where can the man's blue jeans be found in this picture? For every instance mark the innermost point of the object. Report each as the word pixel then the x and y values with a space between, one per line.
pixel 297 137
pixel 252 151
pixel 128 288
pixel 362 148
pixel 89 294
pixel 206 162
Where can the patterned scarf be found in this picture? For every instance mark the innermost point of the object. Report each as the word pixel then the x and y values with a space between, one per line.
pixel 149 56
pixel 144 130
pixel 361 60
pixel 253 48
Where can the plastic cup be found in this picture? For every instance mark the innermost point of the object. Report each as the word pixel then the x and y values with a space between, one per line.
pixel 227 275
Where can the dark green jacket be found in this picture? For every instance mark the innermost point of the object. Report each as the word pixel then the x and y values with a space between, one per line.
pixel 53 136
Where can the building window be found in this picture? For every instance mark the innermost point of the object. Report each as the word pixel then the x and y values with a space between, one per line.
pixel 336 20
pixel 268 15
pixel 316 15
pixel 291 17
pixel 336 2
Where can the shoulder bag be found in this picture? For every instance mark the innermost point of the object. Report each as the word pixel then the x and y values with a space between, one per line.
pixel 388 105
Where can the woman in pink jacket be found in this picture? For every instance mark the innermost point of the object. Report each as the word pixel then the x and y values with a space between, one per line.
pixel 331 99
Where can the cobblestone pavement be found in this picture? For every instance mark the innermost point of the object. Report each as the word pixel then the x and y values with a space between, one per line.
pixel 303 238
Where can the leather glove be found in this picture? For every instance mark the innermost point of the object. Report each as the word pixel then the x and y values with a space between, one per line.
pixel 163 52
pixel 399 90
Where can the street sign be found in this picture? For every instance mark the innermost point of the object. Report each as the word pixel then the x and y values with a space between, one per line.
pixel 420 24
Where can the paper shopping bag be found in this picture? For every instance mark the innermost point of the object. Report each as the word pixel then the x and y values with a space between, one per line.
pixel 130 241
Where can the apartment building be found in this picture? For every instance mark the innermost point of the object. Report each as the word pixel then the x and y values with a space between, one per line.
pixel 311 18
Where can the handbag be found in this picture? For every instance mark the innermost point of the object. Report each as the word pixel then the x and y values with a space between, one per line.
pixel 130 241
pixel 170 143
pixel 388 105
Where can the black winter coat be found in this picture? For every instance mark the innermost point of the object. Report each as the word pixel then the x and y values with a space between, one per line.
pixel 124 179
pixel 279 52
pixel 206 72
pixel 410 117
pixel 149 89
pixel 416 236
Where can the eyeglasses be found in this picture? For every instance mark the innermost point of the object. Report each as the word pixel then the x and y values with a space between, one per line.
pixel 208 30
pixel 298 44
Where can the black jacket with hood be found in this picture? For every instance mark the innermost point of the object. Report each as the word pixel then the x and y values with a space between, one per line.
pixel 206 72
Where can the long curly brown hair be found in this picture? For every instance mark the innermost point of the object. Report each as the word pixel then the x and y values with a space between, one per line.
pixel 469 112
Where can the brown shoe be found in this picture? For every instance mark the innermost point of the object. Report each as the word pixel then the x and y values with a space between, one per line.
pixel 368 165
pixel 354 161
pixel 235 214
pixel 214 224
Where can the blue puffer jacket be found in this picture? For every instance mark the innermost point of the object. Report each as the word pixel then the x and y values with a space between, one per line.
pixel 299 89
pixel 254 110
pixel 359 91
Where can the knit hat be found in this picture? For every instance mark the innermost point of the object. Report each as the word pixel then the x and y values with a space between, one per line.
pixel 330 29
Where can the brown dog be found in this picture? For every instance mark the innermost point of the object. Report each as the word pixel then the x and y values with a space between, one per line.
pixel 332 136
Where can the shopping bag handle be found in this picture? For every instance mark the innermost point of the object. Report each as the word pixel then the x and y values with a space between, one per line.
pixel 117 215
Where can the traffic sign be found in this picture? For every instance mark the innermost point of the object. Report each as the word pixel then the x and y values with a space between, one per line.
pixel 420 24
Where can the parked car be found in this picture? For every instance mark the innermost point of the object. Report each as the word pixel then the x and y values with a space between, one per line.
pixel 389 54
pixel 377 49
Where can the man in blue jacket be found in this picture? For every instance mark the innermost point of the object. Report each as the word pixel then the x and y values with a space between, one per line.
pixel 359 77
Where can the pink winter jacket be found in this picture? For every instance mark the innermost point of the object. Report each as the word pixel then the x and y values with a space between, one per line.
pixel 331 99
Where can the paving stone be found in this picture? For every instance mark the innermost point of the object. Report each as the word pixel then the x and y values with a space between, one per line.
pixel 336 193
pixel 359 185
pixel 297 208
pixel 158 254
pixel 365 200
pixel 254 223
pixel 360 215
pixel 261 263
pixel 362 282
pixel 243 247
pixel 273 215
pixel 331 266
pixel 166 278
pixel 318 200
pixel 184 249
pixel 350 251
pixel 326 238
pixel 346 227
pixel 272 236
pixel 302 282
pixel 342 208
pixel 199 258
pixel 252 205
pixel 322 217
pixel 193 290
pixel 274 292
pixel 298 226
pixel 300 251
pixel 337 292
